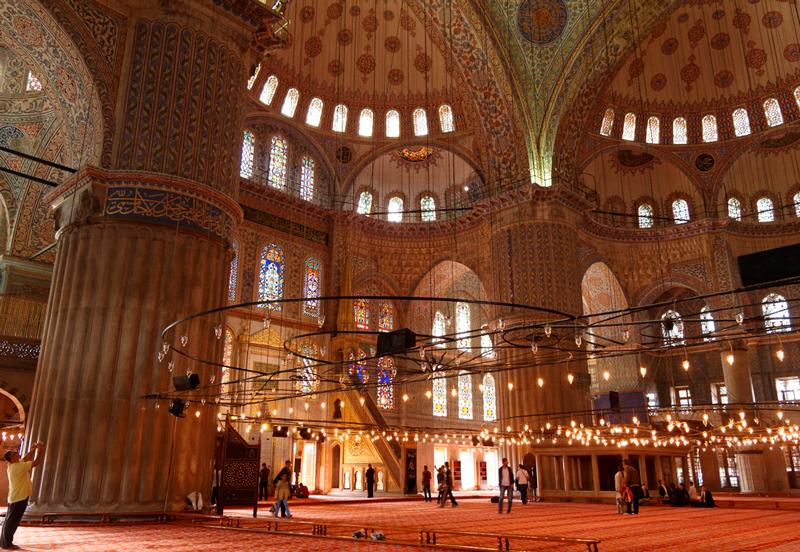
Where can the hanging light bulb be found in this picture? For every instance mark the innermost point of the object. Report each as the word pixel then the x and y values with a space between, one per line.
pixel 540 382
pixel 184 340
pixel 780 354
pixel 321 320
pixel 570 378
pixel 740 318
pixel 578 339
pixel 643 370
pixel 218 331
pixel 428 394
pixel 170 365
pixel 361 400
pixel 267 322
pixel 405 397
pixel 606 375
pixel 685 364
pixel 160 356
pixel 197 413
pixel 510 386
pixel 548 330
pixel 453 392
pixel 729 358
pixel 534 347
pixel 626 335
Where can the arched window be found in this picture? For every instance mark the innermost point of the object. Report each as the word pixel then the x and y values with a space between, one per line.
pixel 487 347
pixel 311 288
pixel 645 215
pixel 464 395
pixel 278 155
pixel 392 124
pixel 361 314
pixel 741 122
pixel 776 313
pixel 446 122
pixel 734 209
pixel 680 211
pixel 709 128
pixel 290 102
pixel 420 122
pixel 314 113
pixel 672 328
pixel 364 203
pixel 307 379
pixel 653 130
pixel 365 120
pixel 772 111
pixel 796 201
pixel 357 366
pixel 339 118
pixel 252 80
pixel 438 329
pixel 707 324
pixel 463 326
pixel 489 399
pixel 32 84
pixel 765 210
pixel 270 275
pixel 439 395
pixel 227 360
pixel 269 89
pixel 307 178
pixel 629 127
pixel 395 209
pixel 428 207
pixel 386 317
pixel 679 131
pixel 385 391
pixel 608 122
pixel 248 150
pixel 233 275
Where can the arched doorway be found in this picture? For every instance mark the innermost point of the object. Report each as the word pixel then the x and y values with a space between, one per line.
pixel 336 456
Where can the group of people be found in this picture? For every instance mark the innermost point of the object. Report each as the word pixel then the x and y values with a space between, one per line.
pixel 681 495
pixel 628 486
pixel 444 484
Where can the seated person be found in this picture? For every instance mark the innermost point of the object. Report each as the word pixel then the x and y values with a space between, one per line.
pixel 663 492
pixel 679 496
pixel 706 499
pixel 693 494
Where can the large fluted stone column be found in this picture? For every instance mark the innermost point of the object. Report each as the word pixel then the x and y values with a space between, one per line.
pixel 139 245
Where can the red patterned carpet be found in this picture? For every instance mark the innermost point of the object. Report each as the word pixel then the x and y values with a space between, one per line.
pixel 655 529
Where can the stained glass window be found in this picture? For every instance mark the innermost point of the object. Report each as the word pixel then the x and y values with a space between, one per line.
pixel 672 328
pixel 32 84
pixel 741 122
pixel 679 131
pixel 464 395
pixel 268 92
pixel 707 324
pixel 710 129
pixel 487 346
pixel 420 122
pixel 361 314
pixel 392 124
pixel 365 121
pixel 290 102
pixel 428 207
pixel 680 211
pixel 278 155
pixel 364 203
pixel 446 118
pixel 734 209
pixel 395 209
pixel 248 149
pixel 386 374
pixel 252 80
pixel 227 360
pixel 307 379
pixel 608 122
pixel 233 276
pixel 339 118
pixel 463 326
pixel 386 317
pixel 358 366
pixel 645 213
pixel 766 212
pixel 314 114
pixel 311 289
pixel 772 111
pixel 489 399
pixel 653 133
pixel 776 313
pixel 438 329
pixel 270 275
pixel 629 127
pixel 307 178
pixel 439 395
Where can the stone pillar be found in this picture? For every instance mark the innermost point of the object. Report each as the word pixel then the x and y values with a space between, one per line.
pixel 737 375
pixel 140 245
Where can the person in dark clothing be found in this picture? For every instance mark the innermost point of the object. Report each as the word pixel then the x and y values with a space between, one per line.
pixel 448 481
pixel 679 496
pixel 706 499
pixel 286 469
pixel 263 482
pixel 505 478
pixel 426 484
pixel 662 489
pixel 632 481
pixel 370 477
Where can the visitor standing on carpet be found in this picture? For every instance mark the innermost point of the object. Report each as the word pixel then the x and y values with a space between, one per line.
pixel 440 484
pixel 506 478
pixel 216 481
pixel 370 477
pixel 19 490
pixel 426 484
pixel 448 485
pixel 282 494
pixel 632 481
pixel 522 483
pixel 287 471
pixel 263 482
pixel 619 487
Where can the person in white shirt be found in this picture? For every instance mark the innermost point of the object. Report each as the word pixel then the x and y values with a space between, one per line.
pixel 522 483
pixel 505 476
pixel 693 494
pixel 619 485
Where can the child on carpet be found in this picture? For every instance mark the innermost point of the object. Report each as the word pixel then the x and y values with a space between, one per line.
pixel 282 494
